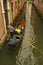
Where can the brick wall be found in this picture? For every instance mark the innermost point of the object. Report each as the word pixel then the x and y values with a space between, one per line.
pixel 17 6
pixel 15 9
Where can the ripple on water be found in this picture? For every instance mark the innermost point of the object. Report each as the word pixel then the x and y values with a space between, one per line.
pixel 25 55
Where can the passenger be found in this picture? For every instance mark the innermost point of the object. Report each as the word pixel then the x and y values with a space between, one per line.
pixel 18 30
pixel 22 30
pixel 19 26
pixel 11 29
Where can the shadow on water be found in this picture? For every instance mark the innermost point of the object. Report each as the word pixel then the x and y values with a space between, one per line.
pixel 8 56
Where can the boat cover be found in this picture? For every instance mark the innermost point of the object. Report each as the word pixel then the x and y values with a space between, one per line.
pixel 12 41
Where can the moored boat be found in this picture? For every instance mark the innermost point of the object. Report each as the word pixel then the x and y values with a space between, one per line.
pixel 18 35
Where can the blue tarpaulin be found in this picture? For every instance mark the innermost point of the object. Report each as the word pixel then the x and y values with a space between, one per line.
pixel 12 41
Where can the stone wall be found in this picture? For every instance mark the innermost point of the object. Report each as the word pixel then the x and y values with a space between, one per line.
pixel 16 6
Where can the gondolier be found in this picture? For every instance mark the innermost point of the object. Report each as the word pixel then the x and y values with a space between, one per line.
pixel 11 29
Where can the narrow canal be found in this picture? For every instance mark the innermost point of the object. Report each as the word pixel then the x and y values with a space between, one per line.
pixel 30 51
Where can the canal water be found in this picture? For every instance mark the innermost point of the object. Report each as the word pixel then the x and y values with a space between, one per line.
pixel 30 51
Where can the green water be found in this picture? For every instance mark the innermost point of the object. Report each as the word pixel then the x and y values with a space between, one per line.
pixel 25 53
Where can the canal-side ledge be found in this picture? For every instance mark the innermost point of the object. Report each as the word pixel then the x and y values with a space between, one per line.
pixel 38 11
pixel 29 10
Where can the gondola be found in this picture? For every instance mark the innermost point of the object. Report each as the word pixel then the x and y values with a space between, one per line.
pixel 17 38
